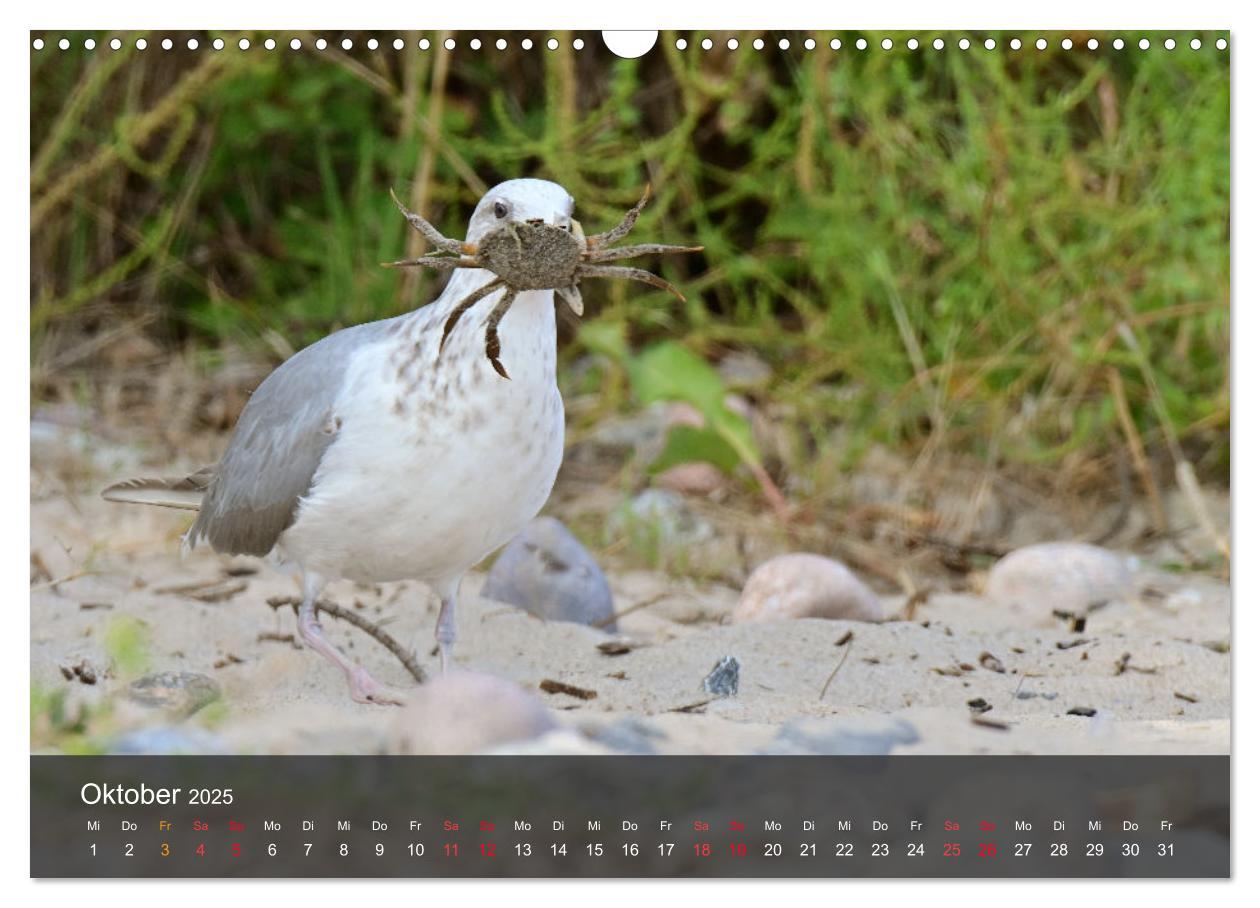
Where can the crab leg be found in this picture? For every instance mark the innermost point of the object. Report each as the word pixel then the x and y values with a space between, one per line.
pixel 467 303
pixel 441 262
pixel 627 252
pixel 600 240
pixel 633 274
pixel 492 330
pixel 431 233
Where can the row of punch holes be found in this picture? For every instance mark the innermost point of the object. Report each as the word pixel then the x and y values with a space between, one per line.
pixel 706 44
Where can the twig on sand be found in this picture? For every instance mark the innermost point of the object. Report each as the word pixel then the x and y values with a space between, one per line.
pixel 651 600
pixel 847 640
pixel 372 630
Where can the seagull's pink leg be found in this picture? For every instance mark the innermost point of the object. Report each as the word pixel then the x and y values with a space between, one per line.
pixel 445 633
pixel 363 687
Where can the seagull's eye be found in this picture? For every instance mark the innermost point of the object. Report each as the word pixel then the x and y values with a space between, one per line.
pixel 500 210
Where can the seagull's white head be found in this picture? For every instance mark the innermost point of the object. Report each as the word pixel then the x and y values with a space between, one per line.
pixel 521 201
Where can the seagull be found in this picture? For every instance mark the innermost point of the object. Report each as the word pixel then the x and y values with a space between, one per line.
pixel 366 458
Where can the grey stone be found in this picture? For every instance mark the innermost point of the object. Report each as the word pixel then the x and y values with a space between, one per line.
pixel 627 735
pixel 662 515
pixel 548 573
pixel 853 737
pixel 167 740
pixel 178 693
pixel 723 681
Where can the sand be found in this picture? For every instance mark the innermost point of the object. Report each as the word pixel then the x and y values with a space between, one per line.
pixel 1155 671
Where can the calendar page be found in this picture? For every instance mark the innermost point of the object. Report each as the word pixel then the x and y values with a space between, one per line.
pixel 794 454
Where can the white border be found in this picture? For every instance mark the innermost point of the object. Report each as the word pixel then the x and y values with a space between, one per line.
pixel 1203 15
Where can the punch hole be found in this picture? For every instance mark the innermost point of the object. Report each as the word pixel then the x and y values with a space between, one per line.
pixel 193 44
pixel 218 44
pixel 552 44
pixel 758 44
pixel 1195 43
pixel 810 44
pixel 399 44
pixel 784 44
pixel 167 43
pixel 64 43
pixel 1041 44
pixel 449 43
pixel 346 44
pixel 243 44
pixel 270 44
pixel 38 44
pixel 578 44
pixel 1170 44
pixel 1092 44
pixel 1118 44
pixel 1144 44
pixel 913 44
pixel 423 44
pixel 963 44
pixel 886 44
pixel 475 44
pixel 836 44
pixel 631 44
pixel 938 44
pixel 990 44
pixel 115 44
pixel 1066 44
pixel 295 44
pixel 527 43
pixel 707 44
pixel 501 44
pixel 1221 44
pixel 1016 44
pixel 681 44
pixel 732 44
pixel 861 44
pixel 373 44
pixel 90 43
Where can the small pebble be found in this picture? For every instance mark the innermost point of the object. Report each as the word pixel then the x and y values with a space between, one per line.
pixel 178 693
pixel 548 573
pixel 802 585
pixel 465 712
pixel 723 680
pixel 1062 576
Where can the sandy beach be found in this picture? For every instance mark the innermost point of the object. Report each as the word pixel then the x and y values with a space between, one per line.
pixel 960 675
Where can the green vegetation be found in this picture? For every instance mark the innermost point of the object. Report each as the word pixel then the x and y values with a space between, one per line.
pixel 1020 256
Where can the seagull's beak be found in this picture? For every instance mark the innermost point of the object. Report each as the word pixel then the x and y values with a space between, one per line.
pixel 575 227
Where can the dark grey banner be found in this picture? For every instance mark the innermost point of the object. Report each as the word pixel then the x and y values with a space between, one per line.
pixel 630 816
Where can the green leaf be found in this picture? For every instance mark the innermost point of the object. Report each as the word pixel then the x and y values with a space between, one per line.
pixel 688 444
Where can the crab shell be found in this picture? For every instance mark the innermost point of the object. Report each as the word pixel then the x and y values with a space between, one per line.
pixel 533 255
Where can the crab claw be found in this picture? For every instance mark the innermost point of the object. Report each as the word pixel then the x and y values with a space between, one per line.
pixel 573 297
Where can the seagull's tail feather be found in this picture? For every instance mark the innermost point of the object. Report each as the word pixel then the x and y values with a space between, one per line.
pixel 184 492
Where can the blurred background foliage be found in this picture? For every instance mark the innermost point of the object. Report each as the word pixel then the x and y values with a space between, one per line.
pixel 1017 256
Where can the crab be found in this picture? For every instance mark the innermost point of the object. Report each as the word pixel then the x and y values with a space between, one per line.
pixel 532 255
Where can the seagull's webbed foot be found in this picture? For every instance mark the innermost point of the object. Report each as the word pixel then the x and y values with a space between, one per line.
pixel 633 274
pixel 363 687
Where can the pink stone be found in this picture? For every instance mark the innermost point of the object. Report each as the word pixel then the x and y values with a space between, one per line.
pixel 1059 575
pixel 802 585
pixel 465 712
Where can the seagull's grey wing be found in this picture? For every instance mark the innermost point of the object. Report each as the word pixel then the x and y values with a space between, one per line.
pixel 277 446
